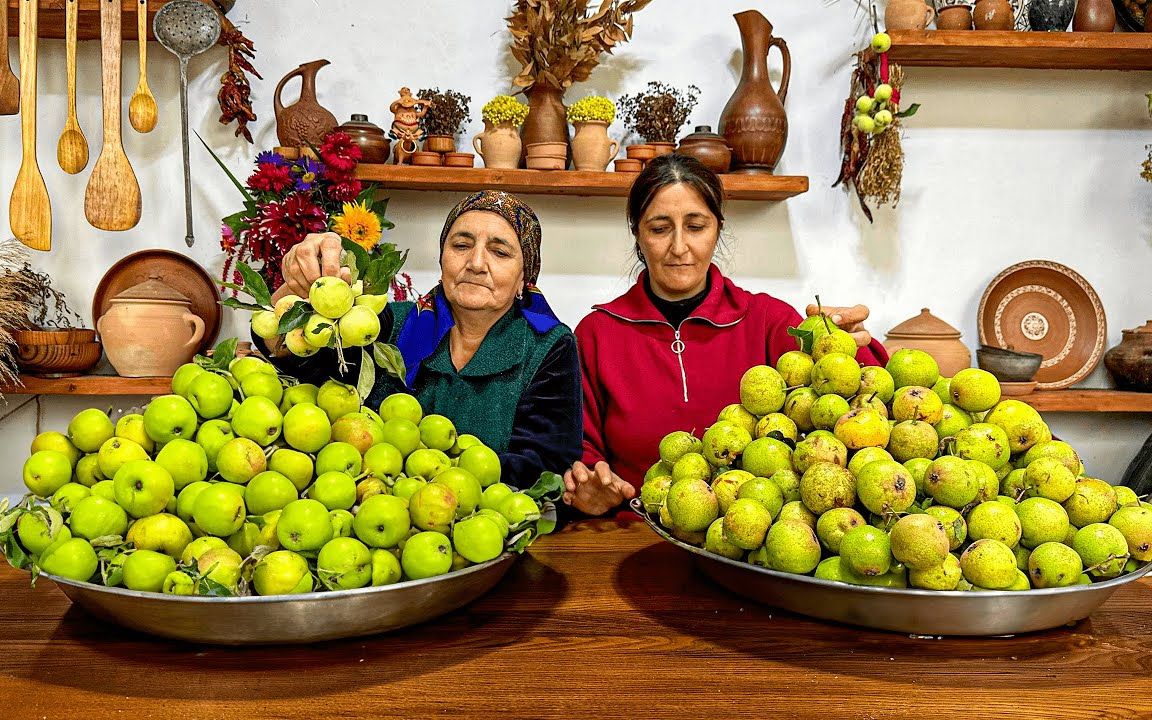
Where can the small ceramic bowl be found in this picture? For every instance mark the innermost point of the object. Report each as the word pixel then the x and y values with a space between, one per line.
pixel 63 336
pixel 1016 389
pixel 546 163
pixel 427 159
pixel 1008 365
pixel 640 152
pixel 546 148
pixel 455 159
pixel 440 143
pixel 628 165
pixel 58 360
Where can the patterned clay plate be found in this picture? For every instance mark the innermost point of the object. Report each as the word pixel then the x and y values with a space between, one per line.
pixel 1044 307
pixel 179 271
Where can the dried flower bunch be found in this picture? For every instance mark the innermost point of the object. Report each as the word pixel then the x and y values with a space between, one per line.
pixel 593 108
pixel 448 112
pixel 558 42
pixel 659 112
pixel 504 109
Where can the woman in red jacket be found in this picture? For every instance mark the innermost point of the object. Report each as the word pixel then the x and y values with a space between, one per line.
pixel 668 354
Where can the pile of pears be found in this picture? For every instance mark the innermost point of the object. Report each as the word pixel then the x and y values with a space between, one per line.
pixel 243 482
pixel 893 477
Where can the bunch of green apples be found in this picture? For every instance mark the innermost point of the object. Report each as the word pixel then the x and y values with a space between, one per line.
pixel 875 113
pixel 892 476
pixel 337 315
pixel 238 483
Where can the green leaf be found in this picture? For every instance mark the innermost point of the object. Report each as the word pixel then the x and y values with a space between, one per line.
pixel 367 379
pixel 238 222
pixel 8 519
pixel 389 359
pixel 359 253
pixel 255 286
pixel 15 554
pixel 519 542
pixel 804 338
pixel 777 435
pixel 243 190
pixel 224 353
pixel 240 305
pixel 211 588
pixel 107 541
pixel 549 486
pixel 231 286
pixel 547 522
pixel 909 112
pixel 296 316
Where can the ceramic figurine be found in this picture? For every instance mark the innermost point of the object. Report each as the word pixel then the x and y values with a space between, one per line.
pixel 406 128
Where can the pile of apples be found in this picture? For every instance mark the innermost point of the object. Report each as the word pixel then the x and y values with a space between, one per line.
pixel 892 476
pixel 243 482
pixel 335 314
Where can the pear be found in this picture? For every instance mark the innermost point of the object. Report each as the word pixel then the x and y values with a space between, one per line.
pixel 795 366
pixel 795 511
pixel 943 389
pixel 912 367
pixel 819 446
pixel 827 485
pixel 762 390
pixel 919 541
pixel 913 439
pixel 984 442
pixel 798 407
pixel 654 492
pixel 1102 548
pixel 658 469
pixel 790 547
pixel 835 341
pixel 789 483
pixel 726 485
pixel 1014 484
pixel 1021 582
pixel 1026 434
pixel 716 542
pixel 954 524
pixel 737 414
pixel 974 390
pixel 723 443
pixel 996 521
pixel 862 428
pixel 1092 501
pixel 944 576
pixel 885 486
pixel 878 382
pixel 950 481
pixel 764 491
pixel 1058 449
pixel 1126 496
pixel 776 423
pixel 871 402
pixel 952 420
pixel 863 456
pixel 836 373
pixel 831 526
pixel 916 402
pixel 1054 564
pixel 866 550
pixel 695 537
pixel 830 569
pixel 1048 477
pixel 746 524
pixel 1041 520
pixel 987 480
pixel 676 444
pixel 763 457
pixel 918 466
pixel 827 410
pixel 1135 524
pixel 1022 554
pixel 691 466
pixel 989 564
pixel 692 506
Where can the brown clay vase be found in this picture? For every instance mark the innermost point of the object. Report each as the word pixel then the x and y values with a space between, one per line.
pixel 304 122
pixel 150 330
pixel 592 149
pixel 374 144
pixel 994 15
pixel 907 15
pixel 1130 362
pixel 499 146
pixel 547 119
pixel 954 17
pixel 753 122
pixel 707 147
pixel 1094 16
pixel 934 336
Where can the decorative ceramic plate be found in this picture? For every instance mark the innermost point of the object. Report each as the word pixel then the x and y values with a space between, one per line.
pixel 1044 307
pixel 179 271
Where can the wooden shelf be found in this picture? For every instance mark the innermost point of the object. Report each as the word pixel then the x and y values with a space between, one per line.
pixel 1091 400
pixel 562 182
pixel 89 385
pixel 51 23
pixel 1007 49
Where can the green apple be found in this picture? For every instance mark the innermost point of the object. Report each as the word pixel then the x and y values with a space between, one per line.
pixel 186 499
pixel 465 487
pixel 358 430
pixel 493 495
pixel 402 434
pixel 245 540
pixel 37 534
pixel 479 539
pixel 304 526
pixel 518 507
pixel 131 427
pixel 285 304
pixel 375 303
pixel 104 489
pixel 297 394
pixel 340 457
pixel 382 521
pixel 218 510
pixel 331 296
pixel 369 486
pixel 307 427
pixel 269 491
pixel 359 327
pixel 318 331
pixel 401 405
pixel 385 568
pixel 427 463
pixel 335 489
pixel 89 429
pixel 145 570
pixel 212 436
pixel 73 559
pixel 46 472
pixel 64 499
pixel 240 460
pixel 161 532
pixel 496 517
pixel 143 487
pixel 242 367
pixel 282 573
pixel 265 324
pixel 96 516
pixel 260 384
pixel 426 554
pixel 383 461
pixel 294 465
pixel 169 417
pixel 184 460
pixel 344 563
pixel 52 440
pixel 433 507
pixel 199 546
pixel 341 522
pixel 298 345
pixel 177 582
pixel 88 470
pixel 483 463
pixel 437 432
pixel 337 399
pixel 259 420
pixel 406 487
pixel 115 452
pixel 210 395
pixel 268 530
pixel 184 376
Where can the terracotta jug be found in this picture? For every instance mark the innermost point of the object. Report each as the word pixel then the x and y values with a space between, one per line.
pixel 374 144
pixel 994 15
pixel 149 330
pixel 753 122
pixel 547 119
pixel 907 15
pixel 592 149
pixel 954 17
pixel 306 121
pixel 1130 362
pixel 934 336
pixel 499 146
pixel 1094 16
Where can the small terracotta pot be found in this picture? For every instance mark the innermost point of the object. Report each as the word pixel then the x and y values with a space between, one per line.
pixel 628 165
pixel 427 159
pixel 457 159
pixel 149 330
pixel 640 152
pixel 499 146
pixel 907 15
pixel 592 149
pixel 1130 362
pixel 994 15
pixel 537 162
pixel 954 17
pixel 440 144
pixel 546 148
pixel 663 148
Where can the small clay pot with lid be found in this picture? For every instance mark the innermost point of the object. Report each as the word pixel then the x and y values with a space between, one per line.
pixel 1130 362
pixel 150 330
pixel 374 143
pixel 934 336
pixel 707 147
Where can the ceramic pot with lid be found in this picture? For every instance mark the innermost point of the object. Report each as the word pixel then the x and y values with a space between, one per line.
pixel 707 147
pixel 934 336
pixel 374 143
pixel 149 330
pixel 1130 362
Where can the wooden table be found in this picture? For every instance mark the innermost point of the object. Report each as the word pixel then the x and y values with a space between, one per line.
pixel 601 620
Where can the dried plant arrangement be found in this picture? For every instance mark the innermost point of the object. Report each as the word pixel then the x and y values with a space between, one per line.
pixel 659 112
pixel 448 112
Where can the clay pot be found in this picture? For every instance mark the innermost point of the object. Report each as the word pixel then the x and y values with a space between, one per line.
pixel 552 149
pixel 662 148
pixel 373 142
pixel 642 152
pixel 426 158
pixel 707 147
pixel 993 15
pixel 149 330
pixel 440 144
pixel 753 122
pixel 1094 16
pixel 955 17
pixel 458 159
pixel 305 122
pixel 1051 15
pixel 499 146
pixel 628 165
pixel 934 336
pixel 1130 362
pixel 907 15
pixel 592 149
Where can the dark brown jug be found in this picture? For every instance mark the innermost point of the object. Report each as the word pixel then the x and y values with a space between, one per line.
pixel 754 122
pixel 305 122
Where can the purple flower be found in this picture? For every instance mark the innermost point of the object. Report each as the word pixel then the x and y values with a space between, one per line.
pixel 271 158
pixel 306 173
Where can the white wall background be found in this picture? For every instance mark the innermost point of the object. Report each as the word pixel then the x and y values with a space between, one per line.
pixel 1001 166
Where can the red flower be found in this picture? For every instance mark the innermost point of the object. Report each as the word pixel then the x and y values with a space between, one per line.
pixel 271 178
pixel 339 153
pixel 345 190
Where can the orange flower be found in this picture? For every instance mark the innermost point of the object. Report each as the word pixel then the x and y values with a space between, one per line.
pixel 358 224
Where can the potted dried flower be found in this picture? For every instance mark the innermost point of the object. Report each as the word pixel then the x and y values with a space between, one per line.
pixel 446 117
pixel 499 145
pixel 658 113
pixel 592 149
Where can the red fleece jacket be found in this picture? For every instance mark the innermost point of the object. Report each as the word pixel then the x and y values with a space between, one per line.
pixel 637 389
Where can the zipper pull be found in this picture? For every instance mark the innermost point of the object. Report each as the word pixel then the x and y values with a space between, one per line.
pixel 678 349
pixel 678 344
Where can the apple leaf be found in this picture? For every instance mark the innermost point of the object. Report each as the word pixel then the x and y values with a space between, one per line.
pixel 367 379
pixel 359 257
pixel 222 355
pixel 211 588
pixel 390 360
pixel 112 575
pixel 909 112
pixel 240 305
pixel 776 434
pixel 804 338
pixel 520 541
pixel 548 487
pixel 255 286
pixel 17 558
pixel 296 316
pixel 8 519
pixel 107 541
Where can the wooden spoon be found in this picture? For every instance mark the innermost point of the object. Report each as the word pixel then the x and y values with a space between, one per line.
pixel 30 210
pixel 72 149
pixel 142 107
pixel 112 198
pixel 9 83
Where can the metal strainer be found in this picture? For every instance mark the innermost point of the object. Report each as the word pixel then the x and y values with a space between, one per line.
pixel 186 28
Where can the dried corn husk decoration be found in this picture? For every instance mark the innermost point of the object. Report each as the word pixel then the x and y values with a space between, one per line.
pixel 16 292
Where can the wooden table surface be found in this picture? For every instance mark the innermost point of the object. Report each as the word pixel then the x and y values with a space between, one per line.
pixel 603 619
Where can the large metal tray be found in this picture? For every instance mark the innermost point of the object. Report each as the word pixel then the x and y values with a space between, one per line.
pixel 282 619
pixel 917 612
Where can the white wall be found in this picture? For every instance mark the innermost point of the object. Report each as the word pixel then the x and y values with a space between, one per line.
pixel 1001 166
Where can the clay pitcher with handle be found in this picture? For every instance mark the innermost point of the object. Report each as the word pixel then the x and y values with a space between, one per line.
pixel 753 122
pixel 306 121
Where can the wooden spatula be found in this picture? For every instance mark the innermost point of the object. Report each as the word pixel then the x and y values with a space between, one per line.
pixel 29 211
pixel 112 198
pixel 9 83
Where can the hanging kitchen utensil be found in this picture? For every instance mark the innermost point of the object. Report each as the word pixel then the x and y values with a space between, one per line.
pixel 72 150
pixel 186 28
pixel 112 198
pixel 9 83
pixel 29 211
pixel 142 107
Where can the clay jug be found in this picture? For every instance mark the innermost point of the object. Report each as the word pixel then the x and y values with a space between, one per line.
pixel 374 144
pixel 954 17
pixel 1094 16
pixel 547 119
pixel 907 15
pixel 994 15
pixel 306 121
pixel 149 330
pixel 592 149
pixel 499 146
pixel 1130 362
pixel 934 336
pixel 753 122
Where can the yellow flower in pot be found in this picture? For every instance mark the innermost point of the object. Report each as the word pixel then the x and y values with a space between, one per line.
pixel 499 145
pixel 592 149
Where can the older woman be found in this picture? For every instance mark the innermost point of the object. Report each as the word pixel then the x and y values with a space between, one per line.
pixel 482 347
pixel 669 353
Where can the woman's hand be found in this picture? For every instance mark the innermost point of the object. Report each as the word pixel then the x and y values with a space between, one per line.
pixel 317 254
pixel 848 319
pixel 595 491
